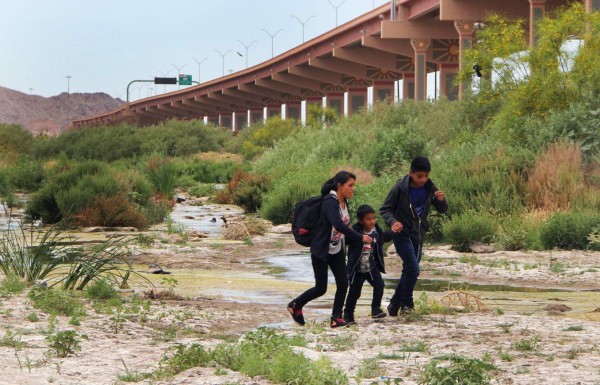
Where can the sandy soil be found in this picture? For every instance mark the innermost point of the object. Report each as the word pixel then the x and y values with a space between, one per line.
pixel 565 341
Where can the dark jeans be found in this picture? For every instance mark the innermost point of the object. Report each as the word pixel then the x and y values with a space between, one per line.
pixel 337 263
pixel 410 253
pixel 376 280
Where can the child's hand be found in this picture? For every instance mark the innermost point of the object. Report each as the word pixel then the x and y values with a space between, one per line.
pixel 367 239
pixel 440 195
pixel 397 227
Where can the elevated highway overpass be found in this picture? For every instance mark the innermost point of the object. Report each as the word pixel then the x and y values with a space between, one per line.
pixel 396 43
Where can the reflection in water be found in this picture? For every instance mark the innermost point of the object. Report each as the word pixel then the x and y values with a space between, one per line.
pixel 205 219
pixel 8 221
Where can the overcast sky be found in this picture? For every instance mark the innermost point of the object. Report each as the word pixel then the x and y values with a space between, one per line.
pixel 104 44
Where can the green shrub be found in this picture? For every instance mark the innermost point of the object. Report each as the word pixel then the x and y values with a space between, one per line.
pixel 12 284
pixel 101 289
pixel 569 230
pixel 56 302
pixel 14 139
pixel 182 357
pixel 279 202
pixel 463 230
pixel 91 193
pixel 453 369
pixel 64 343
pixel 203 190
pixel 162 172
pixel 512 233
pixel 26 174
pixel 245 190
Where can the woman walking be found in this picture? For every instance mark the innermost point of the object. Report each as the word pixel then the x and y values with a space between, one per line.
pixel 327 248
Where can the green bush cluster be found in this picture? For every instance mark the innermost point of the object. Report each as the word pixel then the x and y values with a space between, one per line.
pixel 92 193
pixel 171 138
pixel 245 190
pixel 569 230
pixel 263 352
pixel 465 229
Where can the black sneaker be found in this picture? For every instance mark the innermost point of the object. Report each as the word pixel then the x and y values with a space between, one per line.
pixel 378 313
pixel 338 322
pixel 296 313
pixel 393 310
pixel 349 318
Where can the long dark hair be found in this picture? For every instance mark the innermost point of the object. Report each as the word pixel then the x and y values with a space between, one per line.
pixel 332 184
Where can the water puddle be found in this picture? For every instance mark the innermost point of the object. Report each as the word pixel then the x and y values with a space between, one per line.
pixel 10 219
pixel 206 218
pixel 296 266
pixel 439 285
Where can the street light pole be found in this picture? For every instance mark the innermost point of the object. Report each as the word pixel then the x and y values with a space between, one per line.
pixel 302 23
pixel 68 83
pixel 272 35
pixel 164 75
pixel 336 10
pixel 223 58
pixel 246 46
pixel 179 69
pixel 199 66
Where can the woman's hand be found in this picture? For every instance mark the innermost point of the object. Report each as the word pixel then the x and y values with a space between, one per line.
pixel 367 239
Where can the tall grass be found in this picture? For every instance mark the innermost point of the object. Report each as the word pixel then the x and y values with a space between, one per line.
pixel 43 255
pixel 557 179
pixel 33 255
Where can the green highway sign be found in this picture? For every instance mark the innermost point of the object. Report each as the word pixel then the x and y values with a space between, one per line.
pixel 185 80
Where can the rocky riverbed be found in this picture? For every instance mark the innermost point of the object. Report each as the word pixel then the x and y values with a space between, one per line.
pixel 221 289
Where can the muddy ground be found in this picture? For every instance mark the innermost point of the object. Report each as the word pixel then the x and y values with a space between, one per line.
pixel 536 337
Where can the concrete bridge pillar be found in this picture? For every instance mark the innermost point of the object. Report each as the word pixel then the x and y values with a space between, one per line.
pixel 335 100
pixel 448 72
pixel 383 91
pixel 592 5
pixel 357 99
pixel 293 110
pixel 408 85
pixel 420 46
pixel 273 110
pixel 537 10
pixel 465 31
pixel 241 120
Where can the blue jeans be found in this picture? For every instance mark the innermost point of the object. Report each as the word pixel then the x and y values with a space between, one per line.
pixel 337 263
pixel 410 253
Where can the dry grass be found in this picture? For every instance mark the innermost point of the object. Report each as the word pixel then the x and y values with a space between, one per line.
pixel 463 299
pixel 363 177
pixel 557 179
pixel 212 156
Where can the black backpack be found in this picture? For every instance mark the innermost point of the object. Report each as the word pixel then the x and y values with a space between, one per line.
pixel 305 219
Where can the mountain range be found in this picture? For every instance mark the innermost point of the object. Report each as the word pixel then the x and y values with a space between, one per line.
pixel 53 115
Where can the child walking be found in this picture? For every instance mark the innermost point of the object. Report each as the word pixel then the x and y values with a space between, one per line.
pixel 366 263
pixel 405 210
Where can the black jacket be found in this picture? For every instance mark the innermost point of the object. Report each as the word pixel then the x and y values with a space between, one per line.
pixel 330 217
pixel 398 208
pixel 355 249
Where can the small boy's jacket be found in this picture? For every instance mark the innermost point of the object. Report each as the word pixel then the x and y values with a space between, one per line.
pixel 355 249
pixel 398 207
